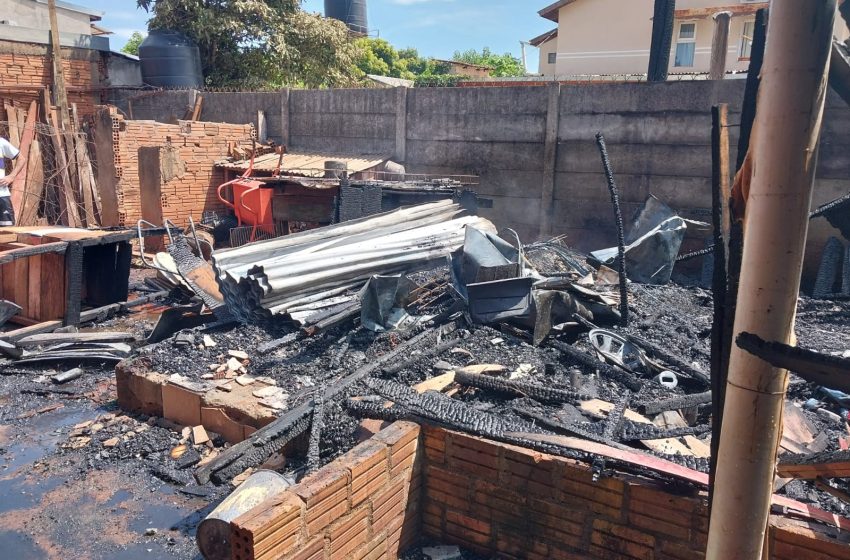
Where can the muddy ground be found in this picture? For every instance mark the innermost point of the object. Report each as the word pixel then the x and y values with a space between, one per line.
pixel 81 479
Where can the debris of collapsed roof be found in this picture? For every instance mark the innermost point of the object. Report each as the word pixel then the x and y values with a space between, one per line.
pixel 653 243
pixel 272 277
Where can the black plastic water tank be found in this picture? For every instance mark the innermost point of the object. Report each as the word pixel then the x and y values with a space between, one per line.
pixel 351 12
pixel 170 60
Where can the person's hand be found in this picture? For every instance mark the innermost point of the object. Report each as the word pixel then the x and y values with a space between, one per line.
pixel 6 181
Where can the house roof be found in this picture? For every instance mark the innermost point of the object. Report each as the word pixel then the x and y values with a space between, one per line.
pixel 390 81
pixel 461 63
pixel 540 39
pixel 94 15
pixel 551 11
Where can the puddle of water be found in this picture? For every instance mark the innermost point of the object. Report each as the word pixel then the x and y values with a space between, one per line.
pixel 19 546
pixel 25 449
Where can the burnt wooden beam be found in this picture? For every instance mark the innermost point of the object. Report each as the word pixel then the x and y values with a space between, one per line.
pixel 74 286
pixel 23 252
pixel 676 403
pixel 822 369
pixel 820 465
pixel 293 423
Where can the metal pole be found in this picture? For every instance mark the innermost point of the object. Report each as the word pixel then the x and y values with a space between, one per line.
pixel 784 152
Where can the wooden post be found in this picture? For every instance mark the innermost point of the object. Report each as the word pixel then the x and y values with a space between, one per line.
pixel 662 40
pixel 719 45
pixel 60 95
pixel 550 161
pixel 284 117
pixel 720 195
pixel 784 152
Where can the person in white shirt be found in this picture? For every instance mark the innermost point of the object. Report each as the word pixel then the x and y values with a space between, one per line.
pixel 7 213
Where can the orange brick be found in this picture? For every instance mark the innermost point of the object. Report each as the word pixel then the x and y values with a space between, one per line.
pixel 678 551
pixel 349 533
pixel 623 532
pixel 181 405
pixel 313 550
pixel 398 434
pixel 659 526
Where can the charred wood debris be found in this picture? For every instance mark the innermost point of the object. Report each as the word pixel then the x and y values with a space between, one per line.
pixel 352 321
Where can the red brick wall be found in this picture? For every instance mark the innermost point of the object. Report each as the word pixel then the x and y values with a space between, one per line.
pixel 363 505
pixel 499 500
pixel 198 145
pixel 29 66
pixel 496 498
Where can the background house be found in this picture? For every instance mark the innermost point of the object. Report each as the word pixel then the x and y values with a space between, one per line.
pixel 613 37
pixel 89 65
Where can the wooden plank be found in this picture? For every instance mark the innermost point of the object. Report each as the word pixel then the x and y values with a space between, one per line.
pixel 837 469
pixel 33 187
pixel 19 183
pixel 62 338
pixel 12 119
pixel 12 255
pixel 52 286
pixel 34 287
pixel 20 290
pixel 439 383
pixel 635 457
pixel 670 446
pixel 69 214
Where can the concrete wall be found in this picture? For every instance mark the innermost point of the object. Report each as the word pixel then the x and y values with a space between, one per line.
pixel 534 147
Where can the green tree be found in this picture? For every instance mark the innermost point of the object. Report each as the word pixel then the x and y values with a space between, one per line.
pixel 503 65
pixel 378 56
pixel 260 43
pixel 132 46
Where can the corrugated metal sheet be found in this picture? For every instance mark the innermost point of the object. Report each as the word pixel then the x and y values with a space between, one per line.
pixel 306 164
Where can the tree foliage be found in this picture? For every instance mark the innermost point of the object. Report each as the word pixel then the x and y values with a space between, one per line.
pixel 132 46
pixel 503 65
pixel 378 56
pixel 260 43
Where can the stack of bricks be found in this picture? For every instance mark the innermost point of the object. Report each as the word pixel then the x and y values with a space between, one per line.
pixel 29 66
pixel 518 503
pixel 363 505
pixel 198 145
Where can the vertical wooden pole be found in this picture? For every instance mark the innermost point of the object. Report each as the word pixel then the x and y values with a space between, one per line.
pixel 60 94
pixel 720 195
pixel 719 45
pixel 784 152
pixel 401 124
pixel 662 40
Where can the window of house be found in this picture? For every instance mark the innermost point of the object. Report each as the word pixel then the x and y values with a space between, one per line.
pixel 747 40
pixel 553 58
pixel 686 43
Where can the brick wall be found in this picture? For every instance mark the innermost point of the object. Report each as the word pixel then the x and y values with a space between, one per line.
pixel 363 505
pixel 192 189
pixel 496 498
pixel 29 66
pixel 499 500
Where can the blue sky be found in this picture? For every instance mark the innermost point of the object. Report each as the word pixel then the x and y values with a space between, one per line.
pixel 436 28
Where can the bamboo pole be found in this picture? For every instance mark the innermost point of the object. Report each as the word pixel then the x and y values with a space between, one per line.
pixel 784 152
